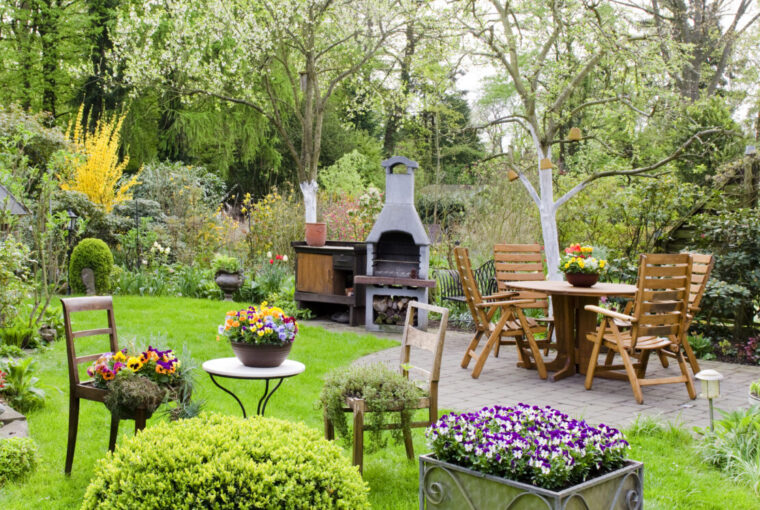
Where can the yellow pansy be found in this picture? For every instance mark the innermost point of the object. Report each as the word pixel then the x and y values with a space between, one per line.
pixel 119 356
pixel 134 364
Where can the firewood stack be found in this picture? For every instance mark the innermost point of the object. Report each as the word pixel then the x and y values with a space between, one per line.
pixel 390 309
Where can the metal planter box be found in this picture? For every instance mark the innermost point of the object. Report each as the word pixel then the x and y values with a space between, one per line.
pixel 451 487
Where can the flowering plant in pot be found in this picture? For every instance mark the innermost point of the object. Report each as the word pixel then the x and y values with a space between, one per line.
pixel 581 265
pixel 259 337
pixel 227 274
pixel 538 455
pixel 140 380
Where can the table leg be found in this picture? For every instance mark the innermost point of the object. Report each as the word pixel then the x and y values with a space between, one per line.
pixel 585 323
pixel 233 395
pixel 266 396
pixel 564 328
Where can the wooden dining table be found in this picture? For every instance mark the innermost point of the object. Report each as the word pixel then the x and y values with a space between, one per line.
pixel 571 320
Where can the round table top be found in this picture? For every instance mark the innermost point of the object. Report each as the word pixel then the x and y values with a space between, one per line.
pixel 232 367
pixel 564 288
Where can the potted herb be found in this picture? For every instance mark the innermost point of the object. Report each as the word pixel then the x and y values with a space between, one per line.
pixel 140 380
pixel 754 393
pixel 581 267
pixel 227 274
pixel 527 457
pixel 259 337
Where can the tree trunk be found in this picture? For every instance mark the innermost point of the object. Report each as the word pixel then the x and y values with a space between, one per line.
pixel 309 191
pixel 548 216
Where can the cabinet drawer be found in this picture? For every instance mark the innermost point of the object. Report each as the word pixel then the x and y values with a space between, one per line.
pixel 343 261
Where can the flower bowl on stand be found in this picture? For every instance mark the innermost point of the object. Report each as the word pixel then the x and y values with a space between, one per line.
pixel 259 337
pixel 580 265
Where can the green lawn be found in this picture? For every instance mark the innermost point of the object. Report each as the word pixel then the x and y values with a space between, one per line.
pixel 674 476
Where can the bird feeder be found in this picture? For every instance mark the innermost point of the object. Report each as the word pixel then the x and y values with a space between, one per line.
pixel 710 381
pixel 546 164
pixel 575 134
pixel 512 175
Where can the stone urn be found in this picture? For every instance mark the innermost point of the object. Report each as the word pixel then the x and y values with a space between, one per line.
pixel 229 283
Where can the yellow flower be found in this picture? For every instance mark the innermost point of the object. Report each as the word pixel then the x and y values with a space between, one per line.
pixel 134 364
pixel 581 263
pixel 602 263
pixel 260 333
pixel 119 356
pixel 567 264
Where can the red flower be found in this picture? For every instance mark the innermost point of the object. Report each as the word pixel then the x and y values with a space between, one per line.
pixel 271 261
pixel 279 257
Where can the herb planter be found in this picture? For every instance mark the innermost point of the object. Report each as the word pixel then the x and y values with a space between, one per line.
pixel 447 486
pixel 261 355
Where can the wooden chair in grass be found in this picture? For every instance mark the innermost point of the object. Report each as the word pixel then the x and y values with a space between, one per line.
pixel 522 263
pixel 419 339
pixel 512 328
pixel 701 267
pixel 86 390
pixel 658 324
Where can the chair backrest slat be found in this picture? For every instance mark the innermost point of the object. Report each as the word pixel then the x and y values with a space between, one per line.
pixel 470 287
pixel 701 267
pixel 521 263
pixel 428 340
pixel 86 304
pixel 662 295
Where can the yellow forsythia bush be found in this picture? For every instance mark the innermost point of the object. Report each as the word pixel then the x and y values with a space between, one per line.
pixel 96 170
pixel 225 462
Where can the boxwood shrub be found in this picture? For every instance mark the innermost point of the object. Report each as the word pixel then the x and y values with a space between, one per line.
pixel 18 458
pixel 222 462
pixel 92 253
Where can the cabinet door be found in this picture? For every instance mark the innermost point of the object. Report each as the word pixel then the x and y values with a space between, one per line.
pixel 315 273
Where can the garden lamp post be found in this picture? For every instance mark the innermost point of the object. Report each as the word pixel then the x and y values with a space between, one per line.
pixel 710 381
pixel 71 228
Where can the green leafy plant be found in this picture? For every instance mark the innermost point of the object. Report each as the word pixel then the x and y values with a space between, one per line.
pixel 754 388
pixel 18 458
pixel 18 334
pixel 20 390
pixel 734 446
pixel 225 462
pixel 380 387
pixel 14 278
pixel 11 351
pixel 94 254
pixel 702 347
pixel 225 263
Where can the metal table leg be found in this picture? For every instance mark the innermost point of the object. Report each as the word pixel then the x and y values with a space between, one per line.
pixel 265 397
pixel 233 395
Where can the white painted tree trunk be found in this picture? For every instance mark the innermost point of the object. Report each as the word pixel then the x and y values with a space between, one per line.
pixel 309 191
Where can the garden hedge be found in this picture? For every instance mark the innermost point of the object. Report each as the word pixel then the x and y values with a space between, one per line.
pixel 92 253
pixel 223 462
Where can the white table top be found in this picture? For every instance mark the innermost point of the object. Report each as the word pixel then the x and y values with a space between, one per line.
pixel 232 367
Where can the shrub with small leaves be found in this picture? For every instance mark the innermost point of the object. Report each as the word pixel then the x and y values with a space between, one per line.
pixel 225 462
pixel 94 254
pixel 18 458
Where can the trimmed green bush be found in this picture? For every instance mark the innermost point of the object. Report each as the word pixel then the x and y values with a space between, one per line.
pixel 224 462
pixel 18 458
pixel 92 253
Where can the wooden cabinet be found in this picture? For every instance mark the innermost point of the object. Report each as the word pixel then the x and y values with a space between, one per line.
pixel 325 277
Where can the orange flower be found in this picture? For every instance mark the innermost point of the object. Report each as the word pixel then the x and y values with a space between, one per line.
pixel 236 324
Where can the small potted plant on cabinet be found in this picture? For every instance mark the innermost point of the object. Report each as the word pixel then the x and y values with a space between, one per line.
pixel 227 274
pixel 581 267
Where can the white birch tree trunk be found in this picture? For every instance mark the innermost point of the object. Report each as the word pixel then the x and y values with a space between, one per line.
pixel 309 191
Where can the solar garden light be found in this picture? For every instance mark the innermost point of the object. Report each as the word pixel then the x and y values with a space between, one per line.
pixel 750 150
pixel 710 381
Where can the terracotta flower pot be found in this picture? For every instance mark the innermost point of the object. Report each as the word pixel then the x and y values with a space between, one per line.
pixel 316 234
pixel 582 279
pixel 261 356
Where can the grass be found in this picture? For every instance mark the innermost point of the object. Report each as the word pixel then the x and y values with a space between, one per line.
pixel 674 476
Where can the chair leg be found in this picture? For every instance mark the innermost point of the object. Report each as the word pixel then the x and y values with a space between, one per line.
pixel 358 447
pixel 594 359
pixel 73 425
pixel 496 350
pixel 663 359
pixel 492 340
pixel 644 361
pixel 408 444
pixel 532 345
pixel 473 345
pixel 114 433
pixel 329 428
pixel 685 371
pixel 690 355
pixel 609 358
pixel 631 372
pixel 139 420
pixel 549 333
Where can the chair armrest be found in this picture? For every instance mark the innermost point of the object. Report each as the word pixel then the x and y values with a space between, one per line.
pixel 499 295
pixel 610 313
pixel 492 304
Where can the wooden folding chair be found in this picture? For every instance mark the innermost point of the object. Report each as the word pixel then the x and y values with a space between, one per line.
pixel 513 328
pixel 86 389
pixel 419 339
pixel 658 324
pixel 521 263
pixel 701 267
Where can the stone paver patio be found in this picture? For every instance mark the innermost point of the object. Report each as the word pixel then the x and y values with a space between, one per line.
pixel 609 401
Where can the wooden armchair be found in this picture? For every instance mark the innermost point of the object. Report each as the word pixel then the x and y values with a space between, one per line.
pixel 521 263
pixel 658 324
pixel 86 389
pixel 701 267
pixel 412 337
pixel 512 328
